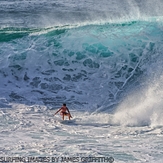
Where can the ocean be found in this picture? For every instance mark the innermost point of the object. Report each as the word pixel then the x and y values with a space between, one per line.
pixel 104 59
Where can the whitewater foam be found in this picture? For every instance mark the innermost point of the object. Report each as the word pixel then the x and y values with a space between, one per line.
pixel 143 107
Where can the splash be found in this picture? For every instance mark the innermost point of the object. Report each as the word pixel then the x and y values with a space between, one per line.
pixel 143 107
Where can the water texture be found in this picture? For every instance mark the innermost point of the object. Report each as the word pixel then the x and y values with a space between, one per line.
pixel 102 58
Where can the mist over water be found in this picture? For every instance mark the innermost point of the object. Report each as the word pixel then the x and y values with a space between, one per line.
pixel 55 13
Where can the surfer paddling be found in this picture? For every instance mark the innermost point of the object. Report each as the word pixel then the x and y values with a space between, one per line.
pixel 64 111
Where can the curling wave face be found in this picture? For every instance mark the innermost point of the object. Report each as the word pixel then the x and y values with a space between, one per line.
pixel 93 65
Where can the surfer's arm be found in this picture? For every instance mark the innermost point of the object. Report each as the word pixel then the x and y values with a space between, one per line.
pixel 57 111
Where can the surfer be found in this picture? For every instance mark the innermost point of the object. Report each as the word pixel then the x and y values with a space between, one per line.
pixel 64 111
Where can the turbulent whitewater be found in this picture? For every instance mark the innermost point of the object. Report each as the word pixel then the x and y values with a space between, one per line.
pixel 103 59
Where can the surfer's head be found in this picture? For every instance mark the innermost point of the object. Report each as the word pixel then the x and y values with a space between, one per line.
pixel 64 104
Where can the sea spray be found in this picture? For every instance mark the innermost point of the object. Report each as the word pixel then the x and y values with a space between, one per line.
pixel 143 107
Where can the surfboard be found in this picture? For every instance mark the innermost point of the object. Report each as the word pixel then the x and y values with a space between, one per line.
pixel 66 121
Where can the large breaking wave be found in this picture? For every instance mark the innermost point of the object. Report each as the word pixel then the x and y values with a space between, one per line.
pixel 93 65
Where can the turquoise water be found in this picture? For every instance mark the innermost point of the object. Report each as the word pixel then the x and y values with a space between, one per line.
pixel 93 64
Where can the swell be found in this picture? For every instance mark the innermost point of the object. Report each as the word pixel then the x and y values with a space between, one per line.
pixel 91 65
